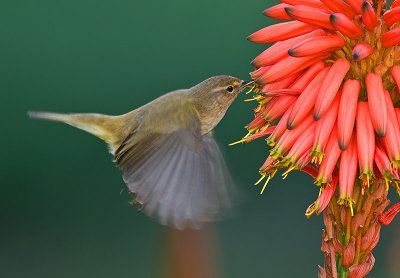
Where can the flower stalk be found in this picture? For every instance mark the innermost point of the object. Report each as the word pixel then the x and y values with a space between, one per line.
pixel 349 237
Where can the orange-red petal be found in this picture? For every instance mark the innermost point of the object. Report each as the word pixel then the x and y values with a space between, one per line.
pixel 361 51
pixel 280 32
pixel 345 26
pixel 338 6
pixel 347 112
pixel 368 16
pixel 305 102
pixel 330 86
pixel 365 141
pixel 279 50
pixel 310 16
pixel 376 103
pixel 315 45
pixel 277 12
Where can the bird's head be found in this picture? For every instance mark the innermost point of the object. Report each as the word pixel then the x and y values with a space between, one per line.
pixel 213 96
pixel 221 90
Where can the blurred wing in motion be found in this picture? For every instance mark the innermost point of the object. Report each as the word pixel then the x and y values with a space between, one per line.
pixel 179 177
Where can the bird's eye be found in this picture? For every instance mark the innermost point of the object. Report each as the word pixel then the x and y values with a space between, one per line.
pixel 229 89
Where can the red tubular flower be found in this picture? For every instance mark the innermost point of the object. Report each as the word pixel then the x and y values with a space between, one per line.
pixel 268 165
pixel 396 3
pixel 307 76
pixel 387 217
pixel 330 86
pixel 347 112
pixel 368 16
pixel 344 25
pixel 365 142
pixel 324 198
pixel 277 12
pixel 328 163
pixel 279 130
pixel 289 137
pixel 310 16
pixel 361 51
pixel 356 5
pixel 280 32
pixel 348 172
pixel 284 83
pixel 392 138
pixel 309 3
pixel 260 71
pixel 305 102
pixel 302 162
pixel 376 103
pixel 282 104
pixel 395 71
pixel 383 164
pixel 316 45
pixel 323 131
pixel 300 147
pixel 286 67
pixel 257 123
pixel 391 16
pixel 338 6
pixel 397 110
pixel 280 49
pixel 391 38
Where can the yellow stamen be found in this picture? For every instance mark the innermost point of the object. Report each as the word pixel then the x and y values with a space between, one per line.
pixel 237 142
pixel 351 206
pixel 262 177
pixel 265 184
pixel 254 98
pixel 285 174
pixel 251 89
pixel 311 209
pixel 264 128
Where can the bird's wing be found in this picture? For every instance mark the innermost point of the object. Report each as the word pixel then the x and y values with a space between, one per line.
pixel 179 177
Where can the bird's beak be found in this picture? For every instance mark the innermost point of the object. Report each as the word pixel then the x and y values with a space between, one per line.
pixel 247 83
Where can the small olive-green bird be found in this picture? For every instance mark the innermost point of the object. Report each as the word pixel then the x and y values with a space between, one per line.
pixel 168 157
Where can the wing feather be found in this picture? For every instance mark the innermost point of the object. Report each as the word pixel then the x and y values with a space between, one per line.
pixel 178 175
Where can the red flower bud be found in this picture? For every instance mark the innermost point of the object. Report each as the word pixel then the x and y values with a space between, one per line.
pixel 376 103
pixel 310 15
pixel 345 26
pixel 330 86
pixel 368 16
pixel 347 112
pixel 361 51
pixel 280 32
pixel 365 142
pixel 277 12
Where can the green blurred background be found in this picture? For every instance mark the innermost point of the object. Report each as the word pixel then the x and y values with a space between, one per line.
pixel 61 211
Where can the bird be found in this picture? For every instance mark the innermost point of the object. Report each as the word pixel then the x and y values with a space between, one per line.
pixel 167 153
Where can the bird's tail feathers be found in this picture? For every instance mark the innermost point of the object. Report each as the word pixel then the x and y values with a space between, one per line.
pixel 102 126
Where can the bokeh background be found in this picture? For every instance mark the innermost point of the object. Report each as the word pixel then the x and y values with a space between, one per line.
pixel 61 211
